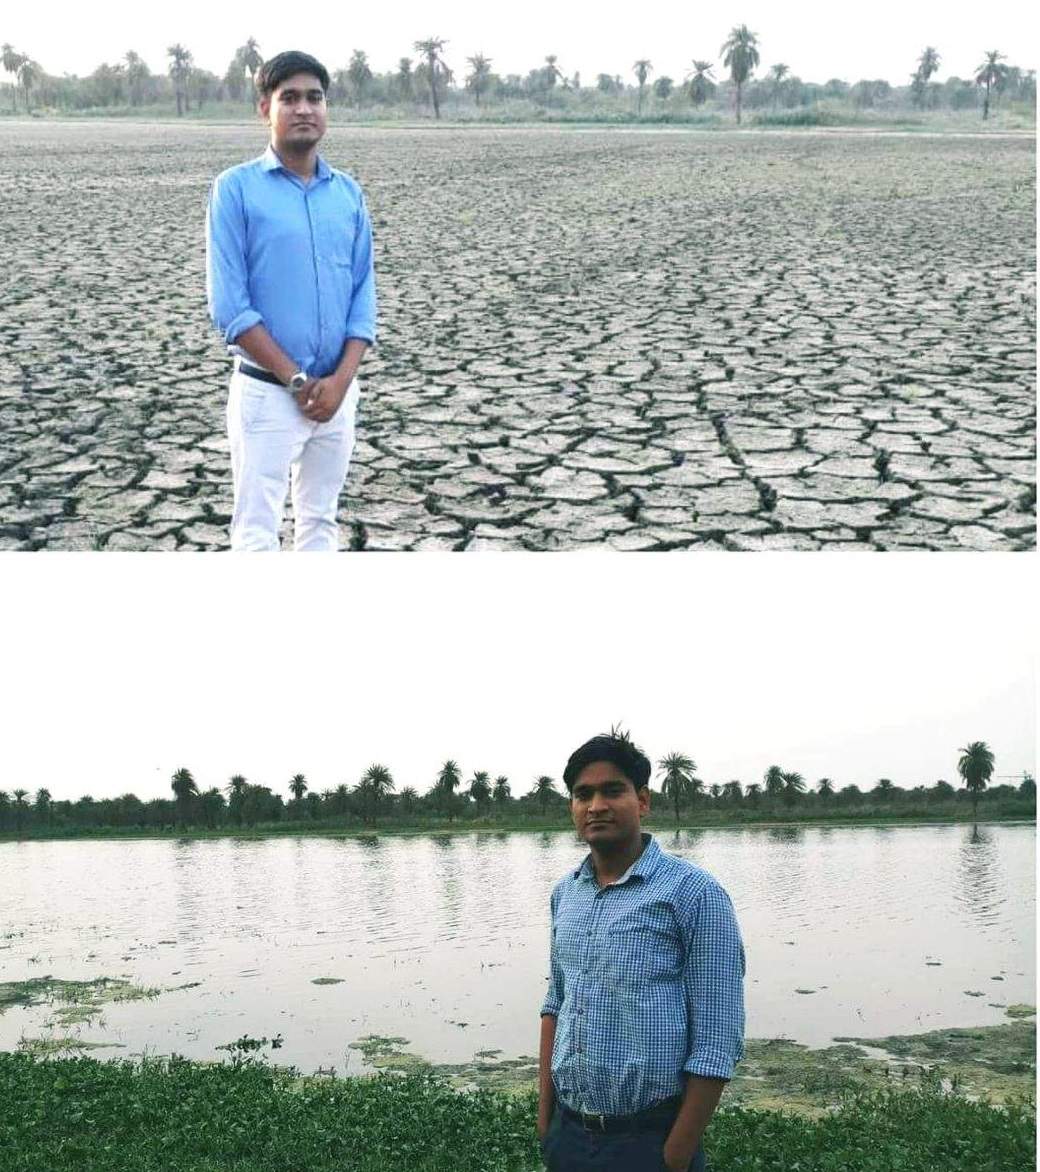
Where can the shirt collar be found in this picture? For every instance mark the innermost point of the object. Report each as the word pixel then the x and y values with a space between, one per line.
pixel 642 868
pixel 269 161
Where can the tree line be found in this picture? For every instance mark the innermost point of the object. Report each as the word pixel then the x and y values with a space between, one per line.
pixel 426 80
pixel 375 799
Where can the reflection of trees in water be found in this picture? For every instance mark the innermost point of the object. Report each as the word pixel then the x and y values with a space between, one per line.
pixel 783 884
pixel 447 865
pixel 190 880
pixel 785 833
pixel 979 880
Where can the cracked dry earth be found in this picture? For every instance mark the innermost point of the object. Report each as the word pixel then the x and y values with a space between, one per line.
pixel 642 340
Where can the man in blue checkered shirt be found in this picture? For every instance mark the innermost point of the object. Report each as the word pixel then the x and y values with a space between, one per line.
pixel 644 1017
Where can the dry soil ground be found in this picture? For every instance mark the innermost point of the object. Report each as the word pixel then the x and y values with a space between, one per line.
pixel 644 340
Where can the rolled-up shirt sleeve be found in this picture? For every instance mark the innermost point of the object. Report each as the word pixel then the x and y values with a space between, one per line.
pixel 227 280
pixel 361 317
pixel 713 980
pixel 554 995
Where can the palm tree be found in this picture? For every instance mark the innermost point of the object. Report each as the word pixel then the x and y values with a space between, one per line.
pixel 794 787
pixel 752 793
pixel 774 781
pixel 251 58
pixel 884 789
pixel 298 786
pixel 436 68
pixel 19 807
pixel 989 73
pixel 927 64
pixel 501 793
pixel 552 73
pixel 29 73
pixel 480 75
pixel 740 56
pixel 825 788
pixel 12 61
pixel 359 74
pixel 543 790
pixel 480 789
pixel 776 76
pixel 731 791
pixel 699 82
pixel 976 768
pixel 376 784
pixel 409 799
pixel 448 781
pixel 236 789
pixel 5 805
pixel 42 804
pixel 184 789
pixel 136 75
pixel 180 73
pixel 642 69
pixel 403 78
pixel 680 780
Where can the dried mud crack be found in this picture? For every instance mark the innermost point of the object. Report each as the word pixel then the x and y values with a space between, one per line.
pixel 642 341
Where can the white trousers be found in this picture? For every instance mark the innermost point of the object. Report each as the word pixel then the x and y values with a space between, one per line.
pixel 273 442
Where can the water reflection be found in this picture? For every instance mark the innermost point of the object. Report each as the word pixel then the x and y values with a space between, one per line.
pixel 980 886
pixel 785 833
pixel 427 932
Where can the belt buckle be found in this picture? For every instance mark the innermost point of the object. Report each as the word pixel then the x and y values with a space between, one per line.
pixel 594 1122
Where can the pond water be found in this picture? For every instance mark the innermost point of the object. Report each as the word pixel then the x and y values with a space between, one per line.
pixel 443 940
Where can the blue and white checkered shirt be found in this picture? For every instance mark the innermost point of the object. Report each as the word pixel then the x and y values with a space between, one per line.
pixel 646 983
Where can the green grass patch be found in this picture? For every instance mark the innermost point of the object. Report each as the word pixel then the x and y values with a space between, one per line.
pixel 65 1115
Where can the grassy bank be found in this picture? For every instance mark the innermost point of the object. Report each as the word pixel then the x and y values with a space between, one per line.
pixel 172 1115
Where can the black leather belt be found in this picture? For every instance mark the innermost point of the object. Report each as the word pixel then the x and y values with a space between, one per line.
pixel 265 376
pixel 659 1114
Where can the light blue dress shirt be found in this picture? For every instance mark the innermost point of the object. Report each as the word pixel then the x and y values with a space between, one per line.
pixel 296 256
pixel 646 984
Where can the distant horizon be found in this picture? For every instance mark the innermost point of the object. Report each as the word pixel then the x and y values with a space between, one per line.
pixel 522 788
pixel 800 35
pixel 821 666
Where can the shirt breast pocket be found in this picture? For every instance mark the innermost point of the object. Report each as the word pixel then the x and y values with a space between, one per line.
pixel 642 954
pixel 341 249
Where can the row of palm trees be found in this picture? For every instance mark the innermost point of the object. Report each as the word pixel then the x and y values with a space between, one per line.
pixel 432 76
pixel 242 803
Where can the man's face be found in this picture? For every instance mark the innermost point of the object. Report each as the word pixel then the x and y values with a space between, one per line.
pixel 606 806
pixel 297 112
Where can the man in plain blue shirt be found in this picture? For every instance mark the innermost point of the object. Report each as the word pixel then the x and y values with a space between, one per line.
pixel 291 287
pixel 643 1020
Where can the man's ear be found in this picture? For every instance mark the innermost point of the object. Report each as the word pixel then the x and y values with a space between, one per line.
pixel 263 107
pixel 643 793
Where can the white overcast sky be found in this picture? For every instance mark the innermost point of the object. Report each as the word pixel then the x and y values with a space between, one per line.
pixel 879 39
pixel 120 669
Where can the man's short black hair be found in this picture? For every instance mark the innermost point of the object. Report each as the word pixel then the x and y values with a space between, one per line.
pixel 272 73
pixel 615 747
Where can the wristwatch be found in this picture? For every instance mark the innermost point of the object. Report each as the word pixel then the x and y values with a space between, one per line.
pixel 299 380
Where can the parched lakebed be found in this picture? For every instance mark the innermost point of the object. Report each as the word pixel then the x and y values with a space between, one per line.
pixel 642 340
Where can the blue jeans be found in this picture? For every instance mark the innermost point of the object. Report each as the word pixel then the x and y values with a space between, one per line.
pixel 568 1147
